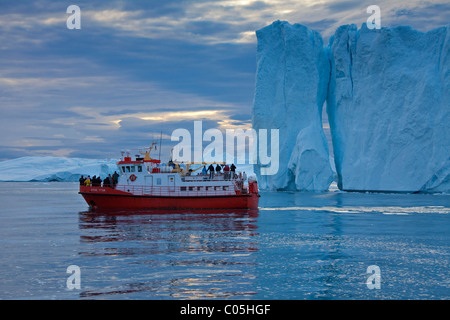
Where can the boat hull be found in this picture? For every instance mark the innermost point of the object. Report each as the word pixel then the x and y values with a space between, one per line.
pixel 101 198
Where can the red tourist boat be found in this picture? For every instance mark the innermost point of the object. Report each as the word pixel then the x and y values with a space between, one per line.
pixel 146 184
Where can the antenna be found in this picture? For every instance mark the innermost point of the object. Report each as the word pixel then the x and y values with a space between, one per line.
pixel 160 139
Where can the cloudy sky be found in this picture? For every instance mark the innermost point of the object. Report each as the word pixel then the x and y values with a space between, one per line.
pixel 139 68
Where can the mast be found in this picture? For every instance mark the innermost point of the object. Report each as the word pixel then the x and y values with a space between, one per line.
pixel 160 140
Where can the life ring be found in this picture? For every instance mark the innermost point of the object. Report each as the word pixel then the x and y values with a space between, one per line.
pixel 133 177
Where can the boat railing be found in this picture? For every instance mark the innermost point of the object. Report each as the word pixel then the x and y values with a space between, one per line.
pixel 183 191
pixel 202 177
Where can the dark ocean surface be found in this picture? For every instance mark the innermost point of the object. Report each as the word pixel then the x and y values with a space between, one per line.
pixel 296 246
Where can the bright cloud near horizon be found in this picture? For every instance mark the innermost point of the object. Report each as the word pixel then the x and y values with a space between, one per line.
pixel 139 68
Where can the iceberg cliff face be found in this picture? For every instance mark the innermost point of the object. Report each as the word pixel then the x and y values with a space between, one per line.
pixel 389 109
pixel 291 88
pixel 388 104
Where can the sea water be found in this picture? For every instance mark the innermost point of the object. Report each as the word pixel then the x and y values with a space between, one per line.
pixel 333 245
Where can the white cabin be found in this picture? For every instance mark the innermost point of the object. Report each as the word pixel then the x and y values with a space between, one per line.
pixel 148 177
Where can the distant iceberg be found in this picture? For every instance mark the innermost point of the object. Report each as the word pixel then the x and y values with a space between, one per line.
pixel 388 104
pixel 54 168
pixel 66 169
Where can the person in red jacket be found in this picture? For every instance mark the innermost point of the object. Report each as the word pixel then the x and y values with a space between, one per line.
pixel 226 171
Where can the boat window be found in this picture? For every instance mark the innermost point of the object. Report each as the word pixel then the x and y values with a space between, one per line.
pixel 140 169
pixel 225 188
pixel 158 181
pixel 128 168
pixel 123 169
pixel 207 188
pixel 199 188
pixel 182 188
pixel 191 188
pixel 133 168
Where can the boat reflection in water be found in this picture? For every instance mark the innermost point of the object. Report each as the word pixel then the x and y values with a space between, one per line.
pixel 168 254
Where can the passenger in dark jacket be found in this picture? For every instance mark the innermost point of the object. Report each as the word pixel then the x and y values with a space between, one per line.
pixel 106 182
pixel 81 181
pixel 211 171
pixel 110 181
pixel 233 170
pixel 115 178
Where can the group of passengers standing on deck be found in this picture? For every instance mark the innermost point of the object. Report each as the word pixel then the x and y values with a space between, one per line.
pixel 109 181
pixel 228 171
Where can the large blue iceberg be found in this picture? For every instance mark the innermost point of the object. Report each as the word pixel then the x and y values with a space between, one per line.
pixel 291 88
pixel 388 106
